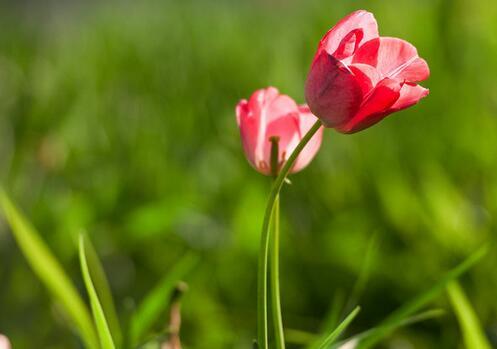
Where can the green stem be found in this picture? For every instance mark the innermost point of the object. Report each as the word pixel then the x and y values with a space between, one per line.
pixel 279 337
pixel 262 321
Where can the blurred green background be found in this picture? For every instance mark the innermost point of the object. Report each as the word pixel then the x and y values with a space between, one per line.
pixel 118 118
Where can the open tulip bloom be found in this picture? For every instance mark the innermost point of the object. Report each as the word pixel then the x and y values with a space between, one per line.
pixel 356 79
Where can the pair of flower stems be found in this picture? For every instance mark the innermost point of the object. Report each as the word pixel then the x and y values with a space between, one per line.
pixel 271 224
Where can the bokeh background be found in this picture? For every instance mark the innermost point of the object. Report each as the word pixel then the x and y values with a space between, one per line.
pixel 118 118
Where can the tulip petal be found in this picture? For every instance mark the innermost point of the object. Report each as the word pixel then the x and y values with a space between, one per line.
pixel 269 104
pixel 361 24
pixel 366 76
pixel 4 342
pixel 241 110
pixel 280 105
pixel 260 99
pixel 416 71
pixel 375 108
pixel 249 128
pixel 393 58
pixel 306 121
pixel 410 94
pixel 286 128
pixel 331 90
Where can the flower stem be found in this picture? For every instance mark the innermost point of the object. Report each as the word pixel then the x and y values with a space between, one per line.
pixel 262 318
pixel 274 250
pixel 274 273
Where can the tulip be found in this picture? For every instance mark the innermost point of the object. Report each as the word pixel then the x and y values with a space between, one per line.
pixel 357 77
pixel 4 342
pixel 269 116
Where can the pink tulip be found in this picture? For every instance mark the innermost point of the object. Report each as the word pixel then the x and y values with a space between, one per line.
pixel 270 114
pixel 4 342
pixel 357 77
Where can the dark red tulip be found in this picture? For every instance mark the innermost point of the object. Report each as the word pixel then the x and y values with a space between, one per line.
pixel 357 77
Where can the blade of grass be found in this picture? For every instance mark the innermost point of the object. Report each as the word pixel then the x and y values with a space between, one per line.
pixel 333 336
pixel 101 324
pixel 331 318
pixel 473 334
pixel 421 300
pixel 155 303
pixel 429 314
pixel 103 290
pixel 49 271
pixel 339 306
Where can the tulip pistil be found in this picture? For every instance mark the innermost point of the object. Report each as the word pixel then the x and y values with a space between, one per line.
pixel 275 164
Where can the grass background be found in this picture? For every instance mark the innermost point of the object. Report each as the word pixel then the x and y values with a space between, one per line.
pixel 118 118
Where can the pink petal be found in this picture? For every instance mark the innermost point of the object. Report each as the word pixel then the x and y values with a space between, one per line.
pixel 366 76
pixel 280 105
pixel 260 99
pixel 286 128
pixel 393 58
pixel 4 342
pixel 249 128
pixel 417 71
pixel 241 110
pixel 375 108
pixel 331 90
pixel 359 26
pixel 268 104
pixel 410 94
pixel 306 120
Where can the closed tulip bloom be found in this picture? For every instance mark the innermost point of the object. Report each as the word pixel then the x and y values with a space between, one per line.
pixel 357 77
pixel 4 342
pixel 269 114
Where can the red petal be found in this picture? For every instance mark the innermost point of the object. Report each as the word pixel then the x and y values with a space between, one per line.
pixel 394 58
pixel 366 76
pixel 332 92
pixel 375 108
pixel 359 21
pixel 410 94
pixel 417 71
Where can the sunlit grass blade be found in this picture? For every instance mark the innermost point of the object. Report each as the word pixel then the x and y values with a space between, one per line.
pixel 474 337
pixel 352 342
pixel 333 336
pixel 340 306
pixel 49 271
pixel 331 319
pixel 103 290
pixel 101 324
pixel 156 302
pixel 421 300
